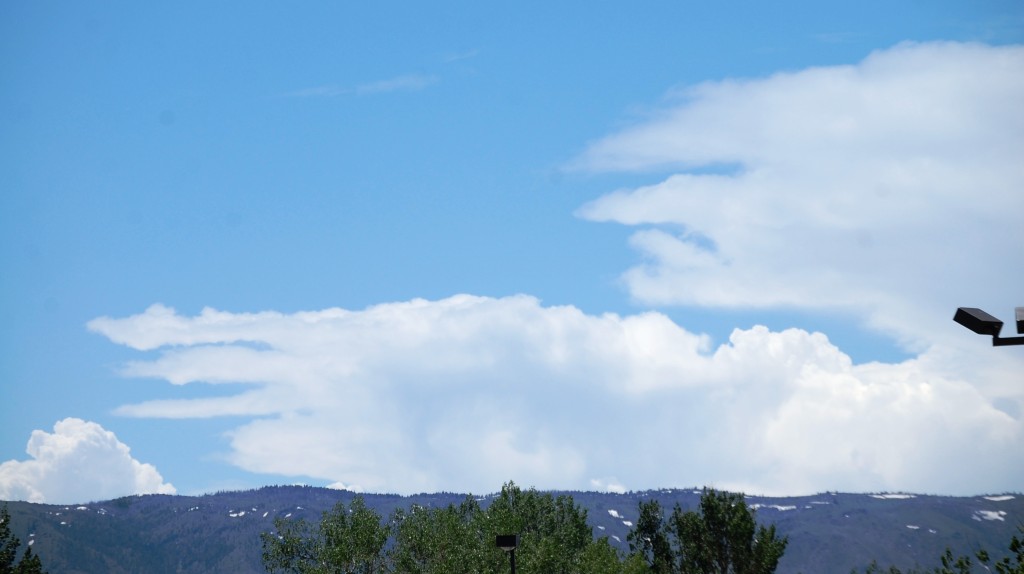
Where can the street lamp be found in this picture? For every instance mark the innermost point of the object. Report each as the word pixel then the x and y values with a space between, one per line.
pixel 984 324
pixel 508 543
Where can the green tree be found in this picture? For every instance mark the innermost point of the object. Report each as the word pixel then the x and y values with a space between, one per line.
pixel 29 564
pixel 347 540
pixel 722 538
pixel 601 558
pixel 649 539
pixel 553 531
pixel 554 538
pixel 874 568
pixel 954 564
pixel 9 543
pixel 438 540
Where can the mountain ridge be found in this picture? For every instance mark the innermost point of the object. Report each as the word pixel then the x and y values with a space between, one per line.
pixel 828 532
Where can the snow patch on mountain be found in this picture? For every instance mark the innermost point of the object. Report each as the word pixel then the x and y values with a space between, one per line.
pixel 779 507
pixel 980 515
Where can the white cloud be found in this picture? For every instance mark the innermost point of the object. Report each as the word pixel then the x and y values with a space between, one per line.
pixel 892 189
pixel 412 82
pixel 79 462
pixel 406 83
pixel 343 486
pixel 469 392
pixel 607 485
pixel 460 56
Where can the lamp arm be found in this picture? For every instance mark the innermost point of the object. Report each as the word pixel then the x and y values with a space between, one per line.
pixel 1006 341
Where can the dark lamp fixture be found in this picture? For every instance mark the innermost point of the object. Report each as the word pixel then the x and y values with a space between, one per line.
pixel 508 543
pixel 984 324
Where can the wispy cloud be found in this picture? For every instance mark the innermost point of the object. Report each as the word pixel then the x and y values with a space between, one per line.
pixel 459 56
pixel 406 83
pixel 410 83
pixel 468 392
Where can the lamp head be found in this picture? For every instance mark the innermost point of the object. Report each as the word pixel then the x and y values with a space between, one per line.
pixel 507 542
pixel 981 322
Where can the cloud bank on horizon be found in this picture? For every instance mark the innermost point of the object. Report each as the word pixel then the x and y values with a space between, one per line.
pixel 467 392
pixel 884 190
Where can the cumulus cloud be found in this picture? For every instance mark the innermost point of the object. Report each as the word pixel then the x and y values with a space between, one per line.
pixel 468 392
pixel 891 189
pixel 80 461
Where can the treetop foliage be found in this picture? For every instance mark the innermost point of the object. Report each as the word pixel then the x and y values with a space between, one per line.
pixel 554 537
pixel 722 538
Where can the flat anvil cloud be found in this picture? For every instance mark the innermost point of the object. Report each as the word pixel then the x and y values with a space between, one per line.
pixel 467 392
pixel 891 189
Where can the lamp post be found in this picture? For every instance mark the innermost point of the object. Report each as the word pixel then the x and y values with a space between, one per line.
pixel 984 324
pixel 508 543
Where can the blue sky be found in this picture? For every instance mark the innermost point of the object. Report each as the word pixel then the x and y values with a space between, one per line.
pixel 580 246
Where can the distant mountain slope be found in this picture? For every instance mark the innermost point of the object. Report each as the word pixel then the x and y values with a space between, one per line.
pixel 220 532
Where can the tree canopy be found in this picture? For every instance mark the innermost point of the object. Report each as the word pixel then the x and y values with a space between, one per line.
pixel 554 538
pixel 723 537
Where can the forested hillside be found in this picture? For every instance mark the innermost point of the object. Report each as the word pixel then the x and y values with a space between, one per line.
pixel 221 532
